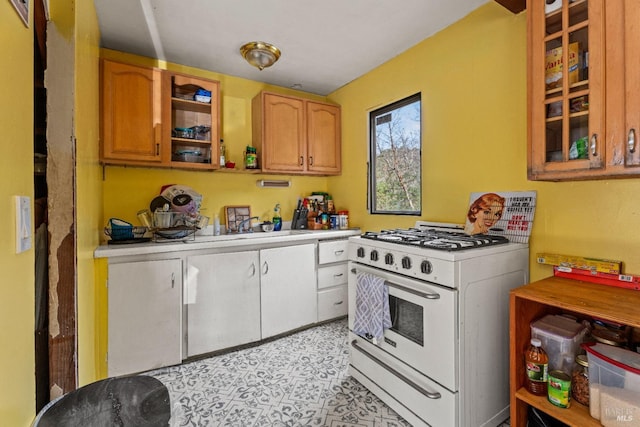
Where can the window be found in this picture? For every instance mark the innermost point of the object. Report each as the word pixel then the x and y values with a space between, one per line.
pixel 395 158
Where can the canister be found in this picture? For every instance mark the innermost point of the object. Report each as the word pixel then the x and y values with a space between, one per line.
pixel 251 158
pixel 559 389
pixel 343 220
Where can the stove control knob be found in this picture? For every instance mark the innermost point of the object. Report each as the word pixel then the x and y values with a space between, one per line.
pixel 360 252
pixel 373 255
pixel 406 263
pixel 388 259
pixel 426 267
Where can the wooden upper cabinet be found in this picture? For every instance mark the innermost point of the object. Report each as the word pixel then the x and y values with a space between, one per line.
pixel 632 83
pixel 323 138
pixel 152 117
pixel 583 120
pixel 296 136
pixel 131 114
pixel 279 133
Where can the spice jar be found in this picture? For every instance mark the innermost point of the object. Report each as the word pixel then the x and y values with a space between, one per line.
pixel 251 158
pixel 580 380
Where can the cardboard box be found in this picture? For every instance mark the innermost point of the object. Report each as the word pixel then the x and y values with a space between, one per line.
pixel 591 264
pixel 553 66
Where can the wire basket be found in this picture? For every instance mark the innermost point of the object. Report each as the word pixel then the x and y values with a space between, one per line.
pixel 172 234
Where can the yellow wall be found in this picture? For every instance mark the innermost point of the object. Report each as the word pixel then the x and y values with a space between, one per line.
pixel 88 190
pixel 127 190
pixel 472 77
pixel 17 382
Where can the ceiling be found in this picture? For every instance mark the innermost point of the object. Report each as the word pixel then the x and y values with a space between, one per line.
pixel 325 44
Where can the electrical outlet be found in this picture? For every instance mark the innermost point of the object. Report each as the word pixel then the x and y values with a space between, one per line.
pixel 23 223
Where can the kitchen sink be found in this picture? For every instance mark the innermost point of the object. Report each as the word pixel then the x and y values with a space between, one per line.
pixel 254 235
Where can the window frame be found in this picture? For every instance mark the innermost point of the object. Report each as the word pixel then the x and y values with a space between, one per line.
pixel 371 173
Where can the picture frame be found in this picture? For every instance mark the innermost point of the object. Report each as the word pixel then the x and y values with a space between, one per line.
pixel 235 215
pixel 22 7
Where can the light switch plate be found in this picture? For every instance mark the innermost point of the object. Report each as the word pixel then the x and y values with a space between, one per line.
pixel 23 223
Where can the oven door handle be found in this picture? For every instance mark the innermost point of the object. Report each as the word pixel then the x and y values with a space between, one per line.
pixel 409 290
pixel 428 394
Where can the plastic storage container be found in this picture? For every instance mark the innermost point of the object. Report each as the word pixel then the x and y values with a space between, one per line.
pixel 614 385
pixel 561 338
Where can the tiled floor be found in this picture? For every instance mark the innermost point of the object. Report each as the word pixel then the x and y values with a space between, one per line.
pixel 298 380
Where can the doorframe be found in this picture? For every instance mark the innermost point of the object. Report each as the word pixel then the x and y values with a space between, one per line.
pixel 61 203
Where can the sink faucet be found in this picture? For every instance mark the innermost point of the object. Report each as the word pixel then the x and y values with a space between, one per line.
pixel 248 222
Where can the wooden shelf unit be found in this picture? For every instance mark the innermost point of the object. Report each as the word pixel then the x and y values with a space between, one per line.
pixel 556 295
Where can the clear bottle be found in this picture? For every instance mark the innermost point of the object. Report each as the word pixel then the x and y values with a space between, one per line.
pixel 222 153
pixel 537 367
pixel 216 225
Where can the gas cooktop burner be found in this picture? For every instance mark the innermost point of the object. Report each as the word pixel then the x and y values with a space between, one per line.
pixel 435 239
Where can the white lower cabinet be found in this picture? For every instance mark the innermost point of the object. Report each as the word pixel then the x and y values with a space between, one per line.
pixel 332 279
pixel 222 301
pixel 288 288
pixel 145 320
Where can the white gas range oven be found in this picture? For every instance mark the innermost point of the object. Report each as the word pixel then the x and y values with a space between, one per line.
pixel 445 360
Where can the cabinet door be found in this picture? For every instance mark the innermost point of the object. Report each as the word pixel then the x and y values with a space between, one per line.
pixel 323 138
pixel 567 131
pixel 288 288
pixel 145 321
pixel 632 83
pixel 282 147
pixel 131 114
pixel 222 300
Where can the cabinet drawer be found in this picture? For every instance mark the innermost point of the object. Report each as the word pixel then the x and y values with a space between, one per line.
pixel 332 275
pixel 332 303
pixel 332 251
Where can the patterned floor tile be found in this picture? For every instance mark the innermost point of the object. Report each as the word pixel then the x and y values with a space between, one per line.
pixel 298 380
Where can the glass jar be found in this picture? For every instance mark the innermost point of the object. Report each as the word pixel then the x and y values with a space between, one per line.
pixel 580 380
pixel 251 158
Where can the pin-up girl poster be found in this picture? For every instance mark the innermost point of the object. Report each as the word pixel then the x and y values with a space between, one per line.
pixel 484 213
pixel 508 214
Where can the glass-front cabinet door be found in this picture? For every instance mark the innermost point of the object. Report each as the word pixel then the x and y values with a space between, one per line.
pixel 566 87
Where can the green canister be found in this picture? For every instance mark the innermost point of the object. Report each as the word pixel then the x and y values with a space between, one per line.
pixel 251 158
pixel 559 389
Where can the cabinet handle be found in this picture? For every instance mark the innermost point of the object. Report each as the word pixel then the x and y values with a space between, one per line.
pixel 265 270
pixel 158 135
pixel 337 303
pixel 301 160
pixel 310 160
pixel 253 269
pixel 594 140
pixel 631 140
pixel 340 252
pixel 173 280
pixel 337 275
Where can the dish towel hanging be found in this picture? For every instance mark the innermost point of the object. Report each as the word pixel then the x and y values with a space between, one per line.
pixel 372 315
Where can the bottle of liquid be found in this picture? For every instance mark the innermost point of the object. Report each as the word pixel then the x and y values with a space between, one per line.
pixel 222 153
pixel 277 219
pixel 216 225
pixel 537 366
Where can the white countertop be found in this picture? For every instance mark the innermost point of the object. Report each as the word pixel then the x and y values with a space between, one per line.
pixel 223 241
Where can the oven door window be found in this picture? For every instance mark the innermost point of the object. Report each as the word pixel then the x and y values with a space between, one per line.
pixel 407 319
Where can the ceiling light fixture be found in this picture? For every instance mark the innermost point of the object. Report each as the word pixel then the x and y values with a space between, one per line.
pixel 260 54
